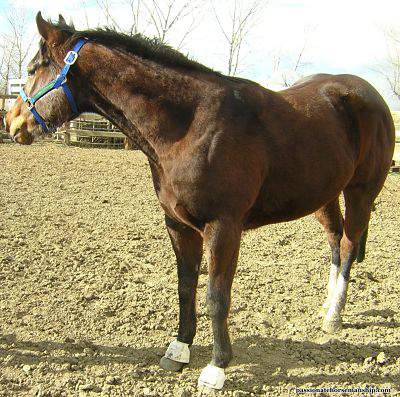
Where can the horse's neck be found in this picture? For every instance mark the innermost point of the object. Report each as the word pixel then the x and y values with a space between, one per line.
pixel 151 103
pixel 102 106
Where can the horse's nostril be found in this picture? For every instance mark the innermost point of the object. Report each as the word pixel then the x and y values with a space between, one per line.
pixel 14 131
pixel 16 125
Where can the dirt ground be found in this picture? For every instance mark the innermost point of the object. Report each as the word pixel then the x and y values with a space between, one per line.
pixel 88 297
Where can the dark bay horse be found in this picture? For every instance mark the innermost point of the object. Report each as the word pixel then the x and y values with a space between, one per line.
pixel 226 155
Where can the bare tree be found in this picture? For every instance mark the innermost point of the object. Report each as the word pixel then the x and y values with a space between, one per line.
pixel 162 17
pixel 288 68
pixel 86 14
pixel 106 7
pixel 166 15
pixel 17 21
pixel 6 62
pixel 300 56
pixel 389 69
pixel 237 27
pixel 15 46
pixel 135 7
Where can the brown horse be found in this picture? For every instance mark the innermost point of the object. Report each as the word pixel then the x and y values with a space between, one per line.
pixel 226 155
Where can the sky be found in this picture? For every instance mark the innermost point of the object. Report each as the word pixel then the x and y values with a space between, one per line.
pixel 342 36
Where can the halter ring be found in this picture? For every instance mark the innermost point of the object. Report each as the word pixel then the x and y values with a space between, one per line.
pixel 71 57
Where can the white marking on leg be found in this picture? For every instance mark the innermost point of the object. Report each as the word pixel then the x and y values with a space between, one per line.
pixel 178 351
pixel 333 275
pixel 213 377
pixel 338 299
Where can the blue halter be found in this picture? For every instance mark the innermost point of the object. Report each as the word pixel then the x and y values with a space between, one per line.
pixel 59 81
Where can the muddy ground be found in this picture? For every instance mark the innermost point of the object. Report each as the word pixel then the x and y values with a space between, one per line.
pixel 88 296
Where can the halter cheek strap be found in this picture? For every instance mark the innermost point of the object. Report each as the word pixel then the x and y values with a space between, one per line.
pixel 33 110
pixel 60 81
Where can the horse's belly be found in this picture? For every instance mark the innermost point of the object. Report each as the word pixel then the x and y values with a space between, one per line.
pixel 284 213
pixel 282 200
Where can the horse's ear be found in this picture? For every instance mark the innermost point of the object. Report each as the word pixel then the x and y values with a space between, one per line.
pixel 61 20
pixel 50 33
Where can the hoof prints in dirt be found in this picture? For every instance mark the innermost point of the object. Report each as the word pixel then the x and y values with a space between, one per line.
pixel 88 289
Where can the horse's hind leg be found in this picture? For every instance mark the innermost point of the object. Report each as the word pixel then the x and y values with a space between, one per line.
pixel 331 219
pixel 188 247
pixel 359 201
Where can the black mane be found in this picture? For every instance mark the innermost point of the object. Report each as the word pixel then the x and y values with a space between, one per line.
pixel 139 45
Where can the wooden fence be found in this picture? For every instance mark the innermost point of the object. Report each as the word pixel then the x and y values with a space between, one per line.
pixel 3 99
pixel 90 130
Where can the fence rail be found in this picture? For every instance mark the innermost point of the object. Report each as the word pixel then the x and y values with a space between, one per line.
pixel 90 130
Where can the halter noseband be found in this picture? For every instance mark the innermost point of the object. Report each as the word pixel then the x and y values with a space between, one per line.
pixel 59 81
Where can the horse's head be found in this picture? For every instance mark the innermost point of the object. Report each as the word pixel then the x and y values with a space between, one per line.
pixel 54 107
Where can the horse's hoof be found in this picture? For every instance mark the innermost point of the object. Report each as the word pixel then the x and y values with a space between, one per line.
pixel 170 365
pixel 206 391
pixel 332 326
pixel 211 380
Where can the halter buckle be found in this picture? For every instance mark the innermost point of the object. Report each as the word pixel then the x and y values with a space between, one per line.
pixel 29 104
pixel 71 57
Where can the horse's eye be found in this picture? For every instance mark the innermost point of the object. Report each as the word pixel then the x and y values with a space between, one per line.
pixel 31 69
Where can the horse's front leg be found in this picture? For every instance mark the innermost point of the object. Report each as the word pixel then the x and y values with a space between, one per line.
pixel 222 240
pixel 188 248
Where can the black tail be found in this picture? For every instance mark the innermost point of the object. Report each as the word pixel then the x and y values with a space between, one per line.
pixel 361 246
